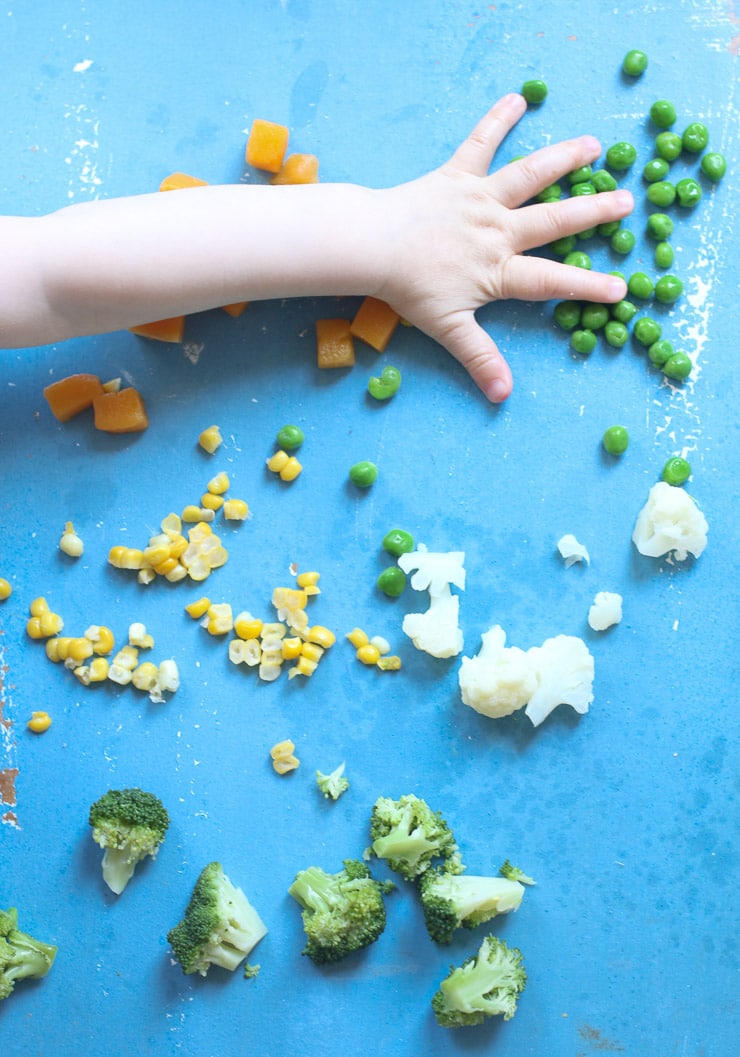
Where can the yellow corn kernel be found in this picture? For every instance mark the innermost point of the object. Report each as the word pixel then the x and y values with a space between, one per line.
pixel 193 514
pixel 219 484
pixel 210 439
pixel 138 636
pixel 235 510
pixel 309 582
pixel 288 600
pixel 102 638
pixel 178 545
pixel 311 651
pixel 198 569
pixel 125 557
pixel 119 674
pixel 357 637
pixel 291 469
pixel 38 606
pixel 219 619
pixel 168 678
pixel 215 556
pixel 50 624
pixel 79 650
pixel 146 576
pixel 39 722
pixel 303 666
pixel 179 572
pixel 245 651
pixel 210 501
pixel 291 648
pixel 389 663
pixel 70 543
pixel 368 654
pixel 198 608
pixel 283 758
pixel 164 568
pixel 155 554
pixel 33 628
pixel 94 672
pixel 58 648
pixel 321 635
pixel 269 670
pixel 127 657
pixel 382 645
pixel 198 532
pixel 246 626
pixel 278 461
pixel 171 525
pixel 5 589
pixel 145 676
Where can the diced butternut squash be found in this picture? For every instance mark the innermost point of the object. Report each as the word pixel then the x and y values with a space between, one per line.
pixel 374 323
pixel 73 394
pixel 121 412
pixel 172 329
pixel 334 344
pixel 177 180
pixel 298 169
pixel 266 145
pixel 236 309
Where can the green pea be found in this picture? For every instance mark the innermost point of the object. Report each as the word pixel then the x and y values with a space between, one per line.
pixel 623 311
pixel 603 181
pixel 668 289
pixel 647 330
pixel 563 246
pixel 608 228
pixel 386 385
pixel 594 317
pixel 392 581
pixel 663 255
pixel 634 63
pixel 659 225
pixel 660 352
pixel 668 145
pixel 621 156
pixel 583 341
pixel 587 233
pixel 622 241
pixel 688 192
pixel 551 193
pixel 676 471
pixel 616 440
pixel 363 474
pixel 662 113
pixel 714 166
pixel 695 137
pixel 567 314
pixel 534 91
pixel 578 259
pixel 640 285
pixel 656 169
pixel 585 187
pixel 662 193
pixel 616 334
pixel 398 542
pixel 619 275
pixel 678 366
pixel 290 437
pixel 578 176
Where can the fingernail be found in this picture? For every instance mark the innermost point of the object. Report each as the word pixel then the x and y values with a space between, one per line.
pixel 617 289
pixel 498 391
pixel 624 199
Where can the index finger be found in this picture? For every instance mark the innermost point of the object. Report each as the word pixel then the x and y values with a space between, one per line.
pixel 475 154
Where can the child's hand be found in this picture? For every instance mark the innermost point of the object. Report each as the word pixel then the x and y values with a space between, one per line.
pixel 461 241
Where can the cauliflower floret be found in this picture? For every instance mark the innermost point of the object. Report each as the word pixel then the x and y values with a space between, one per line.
pixel 435 631
pixel 670 521
pixel 605 610
pixel 565 675
pixel 572 551
pixel 499 679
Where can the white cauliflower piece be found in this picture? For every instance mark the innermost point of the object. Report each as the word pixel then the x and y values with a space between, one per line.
pixel 670 521
pixel 565 675
pixel 605 610
pixel 499 679
pixel 437 630
pixel 572 551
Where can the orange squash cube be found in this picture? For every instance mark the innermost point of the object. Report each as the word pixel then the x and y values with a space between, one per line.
pixel 120 412
pixel 266 145
pixel 334 344
pixel 177 180
pixel 73 394
pixel 298 169
pixel 374 323
pixel 236 309
pixel 172 329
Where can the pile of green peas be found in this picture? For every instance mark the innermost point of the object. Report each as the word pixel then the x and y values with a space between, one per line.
pixel 392 580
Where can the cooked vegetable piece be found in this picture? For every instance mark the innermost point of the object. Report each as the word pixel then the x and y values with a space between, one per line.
pixel 487 984
pixel 452 901
pixel 616 440
pixel 298 169
pixel 266 145
pixel 634 63
pixel 374 323
pixel 171 330
pixel 670 522
pixel 121 412
pixel 334 344
pixel 236 308
pixel 363 474
pixel 129 824
pixel 71 395
pixel 177 180
pixel 22 957
pixel 676 471
pixel 534 91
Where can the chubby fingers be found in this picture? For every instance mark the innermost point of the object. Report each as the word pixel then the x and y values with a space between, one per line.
pixel 479 355
pixel 476 153
pixel 537 279
pixel 524 178
pixel 536 225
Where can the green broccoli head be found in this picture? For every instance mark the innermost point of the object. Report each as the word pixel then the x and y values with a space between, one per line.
pixel 410 836
pixel 333 784
pixel 21 956
pixel 453 901
pixel 220 926
pixel 342 912
pixel 129 824
pixel 515 874
pixel 486 985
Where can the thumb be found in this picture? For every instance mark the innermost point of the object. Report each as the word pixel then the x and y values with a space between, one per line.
pixel 479 355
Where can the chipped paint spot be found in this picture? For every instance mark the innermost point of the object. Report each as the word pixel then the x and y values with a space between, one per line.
pixel 8 767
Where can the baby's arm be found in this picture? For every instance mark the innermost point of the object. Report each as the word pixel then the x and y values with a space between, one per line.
pixel 436 249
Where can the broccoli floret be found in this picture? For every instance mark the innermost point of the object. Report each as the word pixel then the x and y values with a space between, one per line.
pixel 21 956
pixel 488 984
pixel 334 784
pixel 342 912
pixel 220 926
pixel 515 874
pixel 453 901
pixel 410 836
pixel 129 824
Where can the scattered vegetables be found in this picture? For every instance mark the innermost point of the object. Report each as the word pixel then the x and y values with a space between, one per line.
pixel 70 543
pixel 534 91
pixel 392 581
pixel 452 901
pixel 69 396
pixel 6 589
pixel 334 344
pixel 571 551
pixel 398 542
pixel 210 439
pixel 485 985
pixel 266 145
pixel 334 784
pixel 363 474
pixel 129 824
pixel 285 466
pixel 290 437
pixel 297 169
pixel 634 63
pixel 605 611
pixel 677 470
pixel 39 722
pixel 374 323
pixel 670 522
pixel 436 631
pixel 616 440
pixel 385 386
pixel 411 837
pixel 21 956
pixel 283 757
pixel 171 330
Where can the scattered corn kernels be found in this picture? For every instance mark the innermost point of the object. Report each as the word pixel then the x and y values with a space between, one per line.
pixel 389 663
pixel 5 589
pixel 246 626
pixel 102 638
pixel 235 510
pixel 210 439
pixel 39 722
pixel 145 676
pixel 309 582
pixel 358 637
pixel 219 619
pixel 219 484
pixel 368 654
pixel 199 608
pixel 210 501
pixel 138 636
pixel 283 758
pixel 70 543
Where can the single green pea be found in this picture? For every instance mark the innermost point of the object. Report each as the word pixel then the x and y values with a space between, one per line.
pixel 551 193
pixel 622 241
pixel 385 386
pixel 563 246
pixel 594 317
pixel 583 341
pixel 587 233
pixel 647 330
pixel 640 285
pixel 577 176
pixel 688 192
pixel 616 334
pixel 659 225
pixel 603 181
pixel 623 311
pixel 616 440
pixel 664 255
pixel 656 169
pixel 578 259
pixel 619 275
pixel 662 193
pixel 676 471
pixel 398 542
pixel 608 228
pixel 585 187
pixel 695 137
pixel 392 581
pixel 668 289
pixel 714 166
pixel 534 91
pixel 567 314
pixel 668 145
pixel 662 113
pixel 363 474
pixel 290 437
pixel 678 366
pixel 621 156
pixel 634 63
pixel 660 352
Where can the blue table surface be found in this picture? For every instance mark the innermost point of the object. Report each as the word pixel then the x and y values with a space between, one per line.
pixel 627 816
